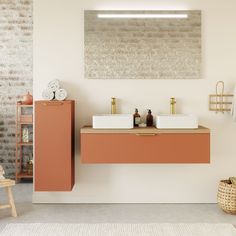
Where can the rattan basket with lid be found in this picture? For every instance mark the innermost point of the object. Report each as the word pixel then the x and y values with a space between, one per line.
pixel 226 197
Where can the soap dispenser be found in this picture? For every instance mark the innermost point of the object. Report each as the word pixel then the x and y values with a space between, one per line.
pixel 149 118
pixel 137 118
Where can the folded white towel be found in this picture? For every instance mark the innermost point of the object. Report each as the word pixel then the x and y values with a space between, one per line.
pixel 61 94
pixel 48 94
pixel 54 85
pixel 233 108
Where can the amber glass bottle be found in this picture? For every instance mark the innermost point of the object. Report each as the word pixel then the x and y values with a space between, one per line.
pixel 149 118
pixel 137 118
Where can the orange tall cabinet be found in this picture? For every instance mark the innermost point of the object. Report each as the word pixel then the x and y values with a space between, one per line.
pixel 54 145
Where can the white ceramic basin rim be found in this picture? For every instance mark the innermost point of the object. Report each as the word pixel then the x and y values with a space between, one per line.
pixel 176 121
pixel 113 121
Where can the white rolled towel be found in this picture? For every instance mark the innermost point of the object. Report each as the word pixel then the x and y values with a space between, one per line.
pixel 54 85
pixel 61 94
pixel 48 94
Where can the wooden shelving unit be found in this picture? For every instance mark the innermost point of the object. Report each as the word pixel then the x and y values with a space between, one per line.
pixel 25 144
pixel 24 119
pixel 22 175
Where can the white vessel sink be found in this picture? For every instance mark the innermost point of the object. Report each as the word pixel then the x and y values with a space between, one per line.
pixel 176 121
pixel 113 121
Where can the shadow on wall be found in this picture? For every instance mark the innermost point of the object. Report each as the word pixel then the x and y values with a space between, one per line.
pixel 82 117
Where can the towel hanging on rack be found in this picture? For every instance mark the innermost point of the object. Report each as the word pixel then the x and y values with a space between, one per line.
pixel 233 108
pixel 219 96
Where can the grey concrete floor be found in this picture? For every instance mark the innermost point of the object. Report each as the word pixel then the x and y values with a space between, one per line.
pixel 108 213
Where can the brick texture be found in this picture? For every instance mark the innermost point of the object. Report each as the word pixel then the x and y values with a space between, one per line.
pixel 143 48
pixel 16 28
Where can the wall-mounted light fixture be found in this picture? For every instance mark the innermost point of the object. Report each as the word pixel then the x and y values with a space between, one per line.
pixel 142 16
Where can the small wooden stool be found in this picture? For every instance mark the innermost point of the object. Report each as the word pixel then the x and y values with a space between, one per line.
pixel 7 184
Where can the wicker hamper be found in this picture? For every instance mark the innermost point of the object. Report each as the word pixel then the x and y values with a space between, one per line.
pixel 226 197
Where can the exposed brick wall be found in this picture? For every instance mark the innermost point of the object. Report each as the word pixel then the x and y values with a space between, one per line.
pixel 143 48
pixel 16 28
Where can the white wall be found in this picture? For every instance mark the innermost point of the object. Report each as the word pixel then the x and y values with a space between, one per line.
pixel 58 53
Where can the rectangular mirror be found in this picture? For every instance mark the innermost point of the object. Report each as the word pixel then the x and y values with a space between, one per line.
pixel 142 44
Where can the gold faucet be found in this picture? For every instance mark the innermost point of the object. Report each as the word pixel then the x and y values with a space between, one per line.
pixel 172 106
pixel 113 105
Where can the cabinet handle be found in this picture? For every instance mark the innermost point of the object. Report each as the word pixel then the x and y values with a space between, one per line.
pixel 53 103
pixel 146 134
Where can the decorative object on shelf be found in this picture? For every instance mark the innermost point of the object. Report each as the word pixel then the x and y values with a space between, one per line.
pixel 48 94
pixel 24 139
pixel 30 164
pixel 54 85
pixel 60 94
pixel 30 167
pixel 54 91
pixel 220 101
pixel 2 173
pixel 25 135
pixel 226 197
pixel 26 118
pixel 27 99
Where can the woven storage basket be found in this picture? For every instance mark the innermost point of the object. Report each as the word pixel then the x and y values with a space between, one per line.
pixel 226 197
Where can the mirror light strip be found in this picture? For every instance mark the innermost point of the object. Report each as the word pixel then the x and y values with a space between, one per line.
pixel 142 16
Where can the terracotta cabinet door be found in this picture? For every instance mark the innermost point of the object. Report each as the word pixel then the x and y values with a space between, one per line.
pixel 54 145
pixel 157 148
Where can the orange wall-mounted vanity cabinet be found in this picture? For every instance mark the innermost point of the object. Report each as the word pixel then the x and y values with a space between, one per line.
pixel 54 145
pixel 145 145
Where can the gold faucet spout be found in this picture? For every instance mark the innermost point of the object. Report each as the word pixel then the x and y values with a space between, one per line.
pixel 172 106
pixel 113 105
